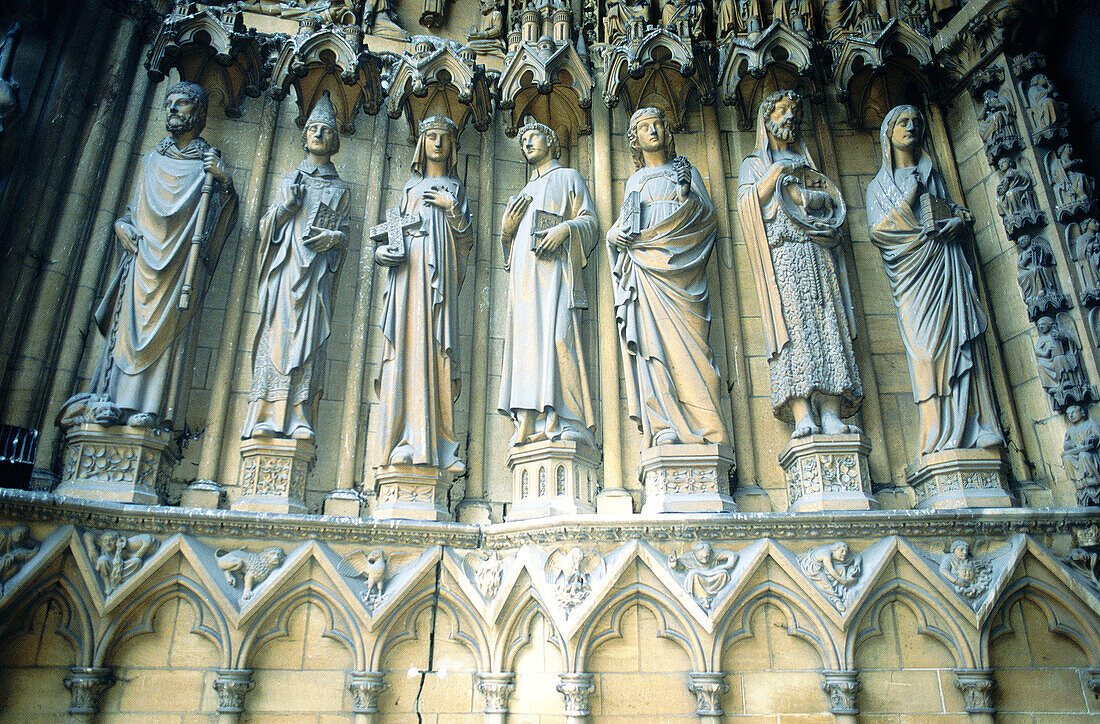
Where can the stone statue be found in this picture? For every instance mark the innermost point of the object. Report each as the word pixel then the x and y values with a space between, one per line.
pixel 183 207
pixel 570 572
pixel 1081 455
pixel 548 232
pixel 1088 258
pixel 488 38
pixel 253 568
pixel 834 569
pixel 303 236
pixel 1038 276
pixel 659 248
pixel 970 576
pixel 378 20
pixel 325 12
pixel 683 18
pixel 840 16
pixel 120 556
pixel 488 568
pixel 434 14
pixel 1016 202
pixel 997 124
pixel 1073 189
pixel 9 87
pixel 797 14
pixel 726 19
pixel 1058 355
pixel 16 548
pixel 1046 110
pixel 418 377
pixel 920 235
pixel 791 216
pixel 708 572
pixel 372 569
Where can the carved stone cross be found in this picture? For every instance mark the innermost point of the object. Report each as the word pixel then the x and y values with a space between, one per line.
pixel 392 230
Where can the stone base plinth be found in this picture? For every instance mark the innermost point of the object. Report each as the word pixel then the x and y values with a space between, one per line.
pixel 273 474
pixel 972 478
pixel 412 492
pixel 343 502
pixel 686 479
pixel 202 494
pixel 118 464
pixel 828 472
pixel 552 478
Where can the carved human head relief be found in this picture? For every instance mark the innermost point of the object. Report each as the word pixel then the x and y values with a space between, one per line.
pixel 320 136
pixel 1075 413
pixel 650 138
pixel 437 148
pixel 185 109
pixel 783 115
pixel 538 143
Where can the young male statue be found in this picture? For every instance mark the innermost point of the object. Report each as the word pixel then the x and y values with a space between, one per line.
pixel 920 235
pixel 659 248
pixel 801 277
pixel 302 240
pixel 418 378
pixel 548 231
pixel 145 315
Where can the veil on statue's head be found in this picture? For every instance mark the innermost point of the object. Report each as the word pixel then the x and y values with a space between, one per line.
pixel 764 111
pixel 420 154
pixel 884 183
pixel 887 129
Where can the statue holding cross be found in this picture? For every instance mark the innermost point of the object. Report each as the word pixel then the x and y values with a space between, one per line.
pixel 427 241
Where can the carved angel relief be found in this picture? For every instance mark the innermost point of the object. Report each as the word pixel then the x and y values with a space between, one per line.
pixel 120 556
pixel 488 568
pixel 570 573
pixel 834 569
pixel 253 568
pixel 372 567
pixel 707 571
pixel 970 576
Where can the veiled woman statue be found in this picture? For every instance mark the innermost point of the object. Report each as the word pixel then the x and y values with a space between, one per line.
pixel 920 234
pixel 418 378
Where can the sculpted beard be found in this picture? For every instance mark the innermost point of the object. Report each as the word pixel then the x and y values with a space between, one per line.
pixel 784 131
pixel 179 124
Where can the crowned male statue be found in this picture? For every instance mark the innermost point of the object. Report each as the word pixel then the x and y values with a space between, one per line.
pixel 548 231
pixel 659 248
pixel 302 240
pixel 418 378
pixel 791 215
pixel 920 234
pixel 183 202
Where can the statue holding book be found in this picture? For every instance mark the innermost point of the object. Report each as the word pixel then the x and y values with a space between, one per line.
pixel 548 232
pixel 920 234
pixel 302 240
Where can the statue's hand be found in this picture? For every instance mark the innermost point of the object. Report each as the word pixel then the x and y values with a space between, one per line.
pixel 440 199
pixel 552 240
pixel 294 201
pixel 324 239
pixel 212 164
pixel 513 214
pixel 951 229
pixel 618 238
pixel 384 257
pixel 128 236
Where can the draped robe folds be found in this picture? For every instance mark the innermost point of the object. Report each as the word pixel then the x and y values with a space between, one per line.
pixel 418 378
pixel 938 312
pixel 543 368
pixel 144 365
pixel 296 293
pixel 805 309
pixel 662 307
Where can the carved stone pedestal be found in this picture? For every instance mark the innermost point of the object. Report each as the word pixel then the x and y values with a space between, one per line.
pixel 686 479
pixel 273 474
pixel 828 472
pixel 413 492
pixel 117 464
pixel 552 478
pixel 972 478
pixel 202 494
pixel 343 502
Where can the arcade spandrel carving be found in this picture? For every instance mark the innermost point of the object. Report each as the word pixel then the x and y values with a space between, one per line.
pixel 570 382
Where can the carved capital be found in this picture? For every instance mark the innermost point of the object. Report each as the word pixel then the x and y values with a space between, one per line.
pixel 842 688
pixel 365 686
pixel 232 685
pixel 708 687
pixel 977 686
pixel 86 685
pixel 575 689
pixel 496 688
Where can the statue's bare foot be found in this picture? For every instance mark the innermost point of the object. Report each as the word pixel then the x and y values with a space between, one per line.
pixel 832 425
pixel 667 436
pixel 142 419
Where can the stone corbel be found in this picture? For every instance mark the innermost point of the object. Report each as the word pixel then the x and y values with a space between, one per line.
pixel 708 687
pixel 977 687
pixel 86 685
pixel 496 688
pixel 232 686
pixel 365 686
pixel 1092 681
pixel 842 687
pixel 751 68
pixel 576 690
